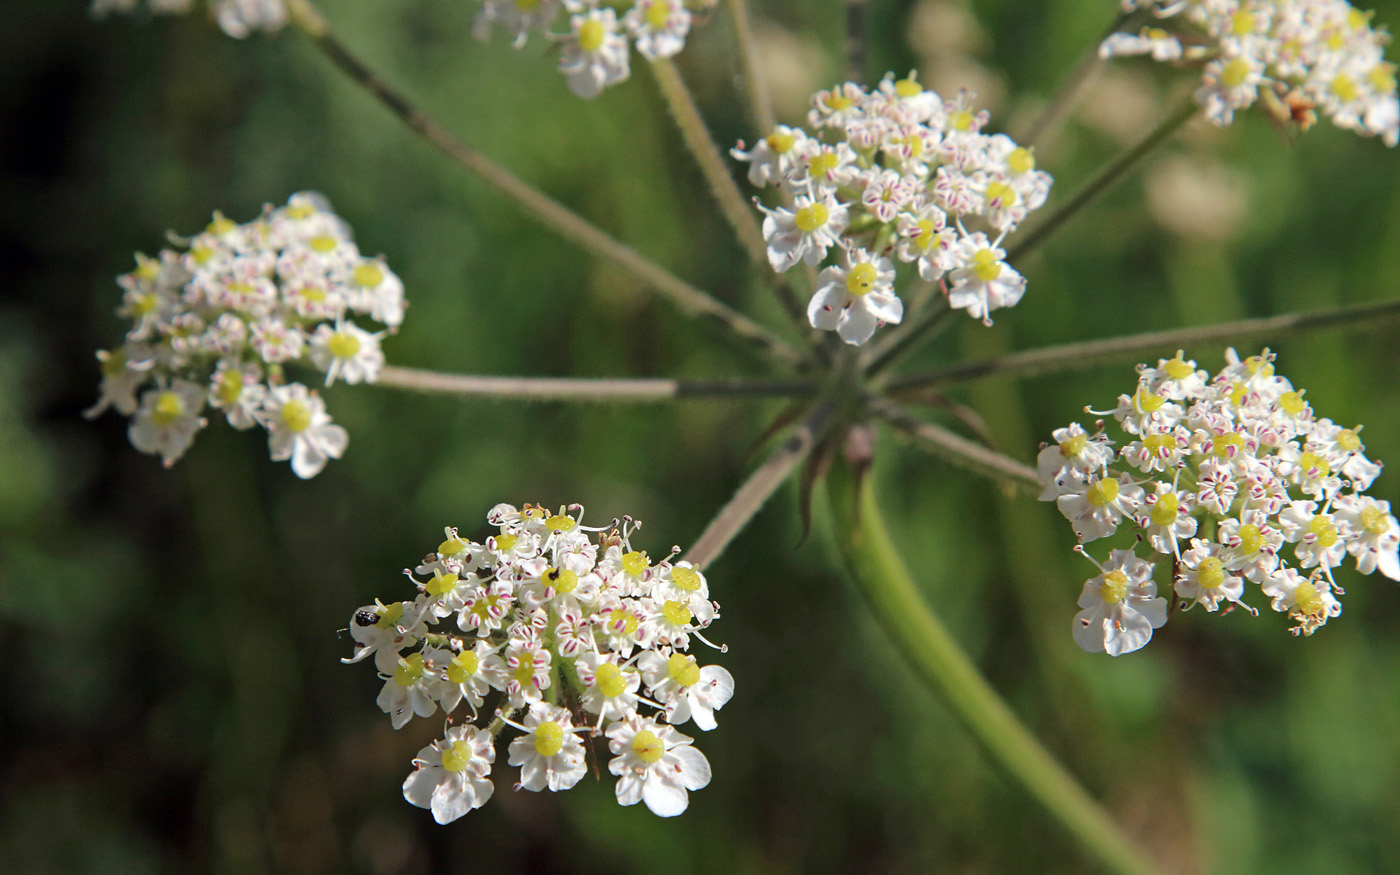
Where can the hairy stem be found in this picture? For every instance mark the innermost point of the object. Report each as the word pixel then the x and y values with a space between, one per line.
pixel 738 211
pixel 1106 177
pixel 931 320
pixel 1075 356
pixel 930 650
pixel 759 101
pixel 624 391
pixel 955 448
pixel 308 19
pixel 762 483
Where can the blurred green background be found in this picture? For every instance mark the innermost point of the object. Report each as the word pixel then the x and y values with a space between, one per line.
pixel 173 699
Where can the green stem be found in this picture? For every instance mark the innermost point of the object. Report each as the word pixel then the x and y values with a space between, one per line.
pixel 1105 178
pixel 760 486
pixel 759 101
pixel 955 448
pixel 622 391
pixel 931 320
pixel 1075 356
pixel 308 19
pixel 926 644
pixel 738 211
pixel 1089 67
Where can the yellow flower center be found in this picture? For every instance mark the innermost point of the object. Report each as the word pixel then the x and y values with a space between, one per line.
pixel 296 416
pixel 525 673
pixel 658 15
pixel 676 613
pixel 559 523
pixel 610 681
pixel 1000 191
pixel 220 225
pixel 230 386
pixel 591 34
pixel 452 546
pixel 687 579
pixel 1242 23
pixel 462 667
pixel 1326 532
pixel 1308 599
pixel 985 265
pixel 822 164
pixel 625 617
pixel 1312 461
pixel 1211 574
pixel 1374 520
pixel 1021 160
pixel 323 243
pixel 648 746
pixel 343 345
pixel 300 211
pixel 390 616
pixel 683 670
pixel 838 102
pixel 1382 78
pixel 1156 443
pixel 928 235
pixel 1235 73
pixel 562 579
pixel 1292 403
pixel 1103 492
pixel 167 409
pixel 1148 402
pixel 961 120
pixel 368 276
pixel 456 757
pixel 1347 440
pixel 1165 511
pixel 505 542
pixel 549 738
pixel 1178 369
pixel 1227 444
pixel 409 669
pixel 635 563
pixel 908 87
pixel 1073 445
pixel 861 280
pixel 780 143
pixel 144 305
pixel 1251 539
pixel 1114 587
pixel 441 584
pixel 812 217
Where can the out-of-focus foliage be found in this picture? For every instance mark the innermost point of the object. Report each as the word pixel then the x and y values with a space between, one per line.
pixel 173 699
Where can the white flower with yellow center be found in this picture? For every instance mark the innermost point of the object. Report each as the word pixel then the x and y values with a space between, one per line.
pixel 124 370
pixel 527 673
pixel 375 290
pixel 1065 465
pixel 1120 607
pixel 853 301
pixel 983 282
pixel 1308 600
pixel 774 158
pixel 410 689
pixel 595 52
pixel 1373 535
pixel 382 631
pixel 1100 505
pixel 687 690
pixel 609 686
pixel 549 753
pixel 803 233
pixel 655 764
pixel 469 675
pixel 452 776
pixel 658 27
pixel 1315 537
pixel 1165 518
pixel 167 420
pixel 300 429
pixel 237 390
pixel 1202 577
pixel 347 352
pixel 518 17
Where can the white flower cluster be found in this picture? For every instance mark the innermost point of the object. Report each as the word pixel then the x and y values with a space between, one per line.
pixel 1215 476
pixel 571 633
pixel 594 50
pixel 237 18
pixel 1296 55
pixel 895 171
pixel 214 323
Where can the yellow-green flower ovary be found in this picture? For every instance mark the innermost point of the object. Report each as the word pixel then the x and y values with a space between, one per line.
pixel 549 738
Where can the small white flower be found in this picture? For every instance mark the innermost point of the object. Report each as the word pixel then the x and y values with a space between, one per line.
pixel 658 27
pixel 984 282
pixel 1120 607
pixel 549 753
pixel 452 776
pixel 687 691
pixel 347 352
pixel 855 300
pixel 300 429
pixel 167 420
pixel 1204 579
pixel 804 233
pixel 594 54
pixel 410 690
pixel 655 764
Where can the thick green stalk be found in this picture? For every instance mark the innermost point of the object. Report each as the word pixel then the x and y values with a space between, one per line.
pixel 933 654
pixel 569 225
pixel 1106 177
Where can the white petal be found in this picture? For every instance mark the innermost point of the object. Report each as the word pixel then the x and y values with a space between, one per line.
pixel 858 326
pixel 664 798
pixel 695 769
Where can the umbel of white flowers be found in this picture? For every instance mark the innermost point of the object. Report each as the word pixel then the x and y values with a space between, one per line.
pixel 895 174
pixel 216 321
pixel 1228 481
pixel 559 631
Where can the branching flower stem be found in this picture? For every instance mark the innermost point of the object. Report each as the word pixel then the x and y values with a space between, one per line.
pixel 926 644
pixel 1076 356
pixel 759 101
pixel 620 391
pixel 1116 170
pixel 955 448
pixel 309 20
pixel 762 483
